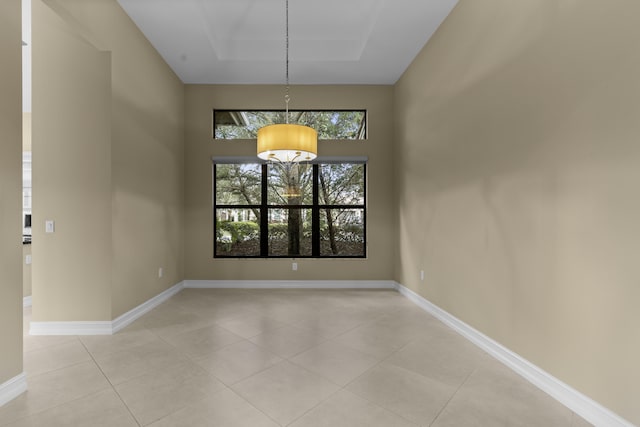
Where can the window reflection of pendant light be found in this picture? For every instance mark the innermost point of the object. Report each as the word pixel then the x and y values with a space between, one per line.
pixel 291 192
pixel 287 142
pixel 292 185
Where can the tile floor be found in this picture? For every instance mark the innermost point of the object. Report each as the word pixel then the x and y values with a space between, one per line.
pixel 253 358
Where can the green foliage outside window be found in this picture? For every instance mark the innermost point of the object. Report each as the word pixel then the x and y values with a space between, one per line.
pixel 330 125
pixel 297 210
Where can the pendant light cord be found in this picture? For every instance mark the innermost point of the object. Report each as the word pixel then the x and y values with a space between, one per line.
pixel 286 96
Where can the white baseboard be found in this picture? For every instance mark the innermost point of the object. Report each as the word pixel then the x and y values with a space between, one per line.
pixel 71 328
pixel 103 327
pixel 289 284
pixel 130 316
pixel 582 405
pixel 111 327
pixel 26 301
pixel 13 388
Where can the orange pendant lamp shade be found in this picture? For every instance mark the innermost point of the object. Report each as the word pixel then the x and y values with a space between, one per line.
pixel 287 143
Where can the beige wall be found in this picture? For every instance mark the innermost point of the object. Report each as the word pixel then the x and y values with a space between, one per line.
pixel 71 172
pixel 518 184
pixel 200 147
pixel 10 191
pixel 107 163
pixel 147 104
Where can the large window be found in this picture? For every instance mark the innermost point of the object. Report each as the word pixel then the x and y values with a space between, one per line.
pixel 330 124
pixel 290 209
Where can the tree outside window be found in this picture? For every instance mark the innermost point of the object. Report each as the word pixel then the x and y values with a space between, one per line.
pixel 290 210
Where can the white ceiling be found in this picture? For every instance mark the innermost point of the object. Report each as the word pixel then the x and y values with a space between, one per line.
pixel 331 41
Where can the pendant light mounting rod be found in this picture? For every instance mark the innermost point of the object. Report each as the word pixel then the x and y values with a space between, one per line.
pixel 286 96
pixel 287 143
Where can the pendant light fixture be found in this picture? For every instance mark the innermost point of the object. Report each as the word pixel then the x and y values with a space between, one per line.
pixel 287 142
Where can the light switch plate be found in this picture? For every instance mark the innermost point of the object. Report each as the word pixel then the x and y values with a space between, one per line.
pixel 49 226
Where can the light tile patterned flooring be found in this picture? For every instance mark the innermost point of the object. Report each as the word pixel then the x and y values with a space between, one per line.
pixel 253 358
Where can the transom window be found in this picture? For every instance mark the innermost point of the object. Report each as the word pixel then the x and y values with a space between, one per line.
pixel 290 209
pixel 333 124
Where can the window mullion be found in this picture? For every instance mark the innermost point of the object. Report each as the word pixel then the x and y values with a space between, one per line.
pixel 215 213
pixel 315 214
pixel 264 215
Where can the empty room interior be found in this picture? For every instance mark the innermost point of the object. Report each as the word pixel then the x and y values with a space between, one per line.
pixel 299 213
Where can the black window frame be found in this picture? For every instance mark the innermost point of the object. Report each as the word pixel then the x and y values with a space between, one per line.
pixel 264 207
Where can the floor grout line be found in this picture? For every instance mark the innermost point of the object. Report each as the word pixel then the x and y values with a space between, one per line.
pixel 254 406
pixel 451 397
pixel 403 339
pixel 111 384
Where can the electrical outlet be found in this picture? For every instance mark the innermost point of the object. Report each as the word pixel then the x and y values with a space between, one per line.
pixel 422 275
pixel 294 266
pixel 160 272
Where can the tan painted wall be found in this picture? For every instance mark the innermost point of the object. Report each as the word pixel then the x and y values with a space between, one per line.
pixel 518 184
pixel 71 173
pixel 200 102
pixel 108 119
pixel 10 191
pixel 147 149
